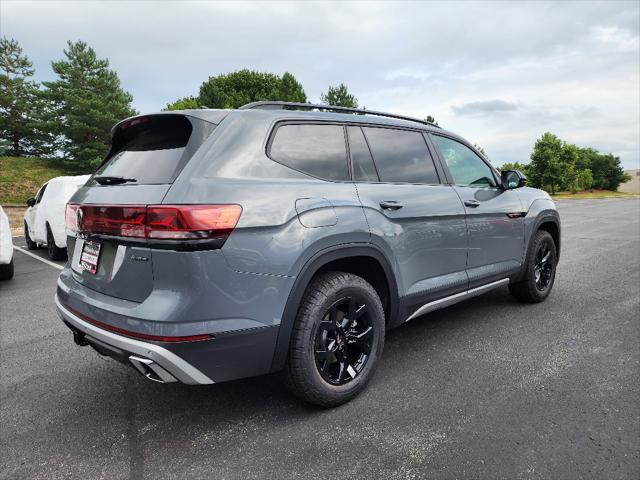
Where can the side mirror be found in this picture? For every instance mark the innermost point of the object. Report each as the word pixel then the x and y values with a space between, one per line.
pixel 513 179
pixel 31 202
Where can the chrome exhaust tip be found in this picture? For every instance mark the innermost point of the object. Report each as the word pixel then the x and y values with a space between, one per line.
pixel 151 370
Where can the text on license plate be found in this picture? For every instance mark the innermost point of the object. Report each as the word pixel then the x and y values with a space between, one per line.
pixel 90 256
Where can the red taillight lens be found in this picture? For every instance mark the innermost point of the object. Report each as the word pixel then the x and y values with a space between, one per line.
pixel 191 221
pixel 160 222
pixel 119 221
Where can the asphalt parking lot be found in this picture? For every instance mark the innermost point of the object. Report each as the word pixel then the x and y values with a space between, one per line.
pixel 486 389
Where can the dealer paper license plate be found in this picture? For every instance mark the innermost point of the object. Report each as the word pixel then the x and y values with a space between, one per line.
pixel 90 256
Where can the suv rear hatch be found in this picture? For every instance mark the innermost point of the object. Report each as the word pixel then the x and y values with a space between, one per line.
pixel 114 222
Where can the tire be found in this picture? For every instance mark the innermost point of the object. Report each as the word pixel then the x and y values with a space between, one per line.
pixel 332 357
pixel 53 251
pixel 539 275
pixel 31 245
pixel 6 271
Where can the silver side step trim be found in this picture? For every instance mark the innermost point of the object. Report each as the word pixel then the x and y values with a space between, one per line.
pixel 169 361
pixel 458 297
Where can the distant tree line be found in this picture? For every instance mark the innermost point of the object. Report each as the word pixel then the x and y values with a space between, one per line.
pixel 70 118
pixel 560 166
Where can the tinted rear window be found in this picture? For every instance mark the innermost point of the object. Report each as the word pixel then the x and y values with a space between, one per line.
pixel 318 150
pixel 154 149
pixel 401 155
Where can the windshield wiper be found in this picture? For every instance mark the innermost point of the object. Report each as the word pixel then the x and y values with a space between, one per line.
pixel 107 180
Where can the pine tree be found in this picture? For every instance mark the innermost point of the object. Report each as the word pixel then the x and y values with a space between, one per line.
pixel 87 100
pixel 19 101
pixel 339 96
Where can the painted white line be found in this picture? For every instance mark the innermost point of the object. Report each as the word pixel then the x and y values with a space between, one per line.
pixel 43 260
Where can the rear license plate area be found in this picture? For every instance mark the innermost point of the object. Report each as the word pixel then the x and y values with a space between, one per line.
pixel 90 256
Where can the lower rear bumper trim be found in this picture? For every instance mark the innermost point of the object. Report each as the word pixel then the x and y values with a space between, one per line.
pixel 167 360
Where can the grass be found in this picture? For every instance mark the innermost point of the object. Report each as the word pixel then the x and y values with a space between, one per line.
pixel 21 177
pixel 591 194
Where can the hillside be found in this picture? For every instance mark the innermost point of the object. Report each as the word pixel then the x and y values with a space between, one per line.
pixel 20 177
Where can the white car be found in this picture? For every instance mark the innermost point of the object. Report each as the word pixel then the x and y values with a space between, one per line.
pixel 6 248
pixel 44 219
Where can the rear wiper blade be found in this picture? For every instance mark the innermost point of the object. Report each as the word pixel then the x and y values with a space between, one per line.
pixel 107 180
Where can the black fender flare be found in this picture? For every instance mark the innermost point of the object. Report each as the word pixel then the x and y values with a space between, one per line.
pixel 309 269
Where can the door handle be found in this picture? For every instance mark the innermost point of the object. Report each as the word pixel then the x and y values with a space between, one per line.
pixel 390 205
pixel 472 203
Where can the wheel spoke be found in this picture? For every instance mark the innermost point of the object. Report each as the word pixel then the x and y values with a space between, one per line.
pixel 342 370
pixel 361 338
pixel 323 355
pixel 546 257
pixel 361 310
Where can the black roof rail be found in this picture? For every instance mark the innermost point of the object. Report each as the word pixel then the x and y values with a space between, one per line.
pixel 273 105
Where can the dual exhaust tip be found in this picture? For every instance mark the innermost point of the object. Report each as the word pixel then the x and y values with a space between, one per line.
pixel 151 370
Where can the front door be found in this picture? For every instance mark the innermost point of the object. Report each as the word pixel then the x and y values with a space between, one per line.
pixel 495 217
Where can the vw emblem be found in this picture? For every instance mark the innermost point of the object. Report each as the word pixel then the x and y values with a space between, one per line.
pixel 79 215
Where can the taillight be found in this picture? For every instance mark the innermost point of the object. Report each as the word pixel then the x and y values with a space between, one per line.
pixel 158 222
pixel 179 222
pixel 71 217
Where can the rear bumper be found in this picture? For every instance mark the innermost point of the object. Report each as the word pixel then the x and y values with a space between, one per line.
pixel 154 361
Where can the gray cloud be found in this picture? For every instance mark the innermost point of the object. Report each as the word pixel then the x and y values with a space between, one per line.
pixel 417 58
pixel 484 107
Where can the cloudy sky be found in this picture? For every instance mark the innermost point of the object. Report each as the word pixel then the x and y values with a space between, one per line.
pixel 499 74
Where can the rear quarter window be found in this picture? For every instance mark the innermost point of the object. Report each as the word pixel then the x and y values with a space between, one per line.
pixel 318 150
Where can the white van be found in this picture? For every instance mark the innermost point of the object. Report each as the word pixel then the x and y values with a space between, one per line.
pixel 44 219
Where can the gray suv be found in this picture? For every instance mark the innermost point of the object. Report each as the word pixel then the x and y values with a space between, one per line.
pixel 213 245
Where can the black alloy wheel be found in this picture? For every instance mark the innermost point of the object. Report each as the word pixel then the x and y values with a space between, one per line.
pixel 343 341
pixel 543 269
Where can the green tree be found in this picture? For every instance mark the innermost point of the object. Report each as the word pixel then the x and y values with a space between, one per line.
pixel 87 100
pixel 514 166
pixel 481 150
pixel 431 119
pixel 185 103
pixel 232 90
pixel 339 96
pixel 291 90
pixel 545 169
pixel 569 173
pixel 19 101
pixel 584 179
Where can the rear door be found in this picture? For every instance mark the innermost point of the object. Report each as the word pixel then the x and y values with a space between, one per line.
pixel 150 152
pixel 495 217
pixel 416 219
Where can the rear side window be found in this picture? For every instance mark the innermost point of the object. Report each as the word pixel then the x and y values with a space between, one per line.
pixel 318 150
pixel 361 160
pixel 401 155
pixel 153 150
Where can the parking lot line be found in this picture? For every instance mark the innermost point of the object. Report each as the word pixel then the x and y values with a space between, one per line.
pixel 43 260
